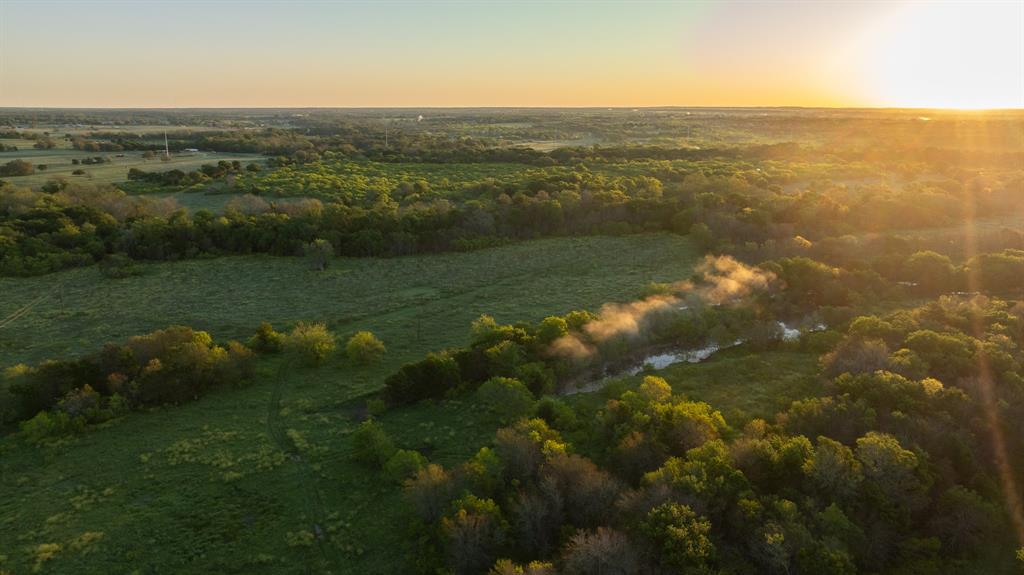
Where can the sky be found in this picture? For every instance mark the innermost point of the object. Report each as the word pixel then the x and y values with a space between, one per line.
pixel 259 53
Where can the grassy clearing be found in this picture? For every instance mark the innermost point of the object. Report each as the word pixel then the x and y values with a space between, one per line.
pixel 58 162
pixel 741 383
pixel 183 490
pixel 412 302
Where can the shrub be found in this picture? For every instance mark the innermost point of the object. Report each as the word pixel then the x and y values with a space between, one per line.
pixel 507 567
pixel 266 339
pixel 556 413
pixel 429 491
pixel 856 355
pixel 550 329
pixel 49 425
pixel 371 445
pixel 474 533
pixel 17 168
pixel 312 342
pixel 434 376
pixel 506 397
pixel 364 348
pixel 404 464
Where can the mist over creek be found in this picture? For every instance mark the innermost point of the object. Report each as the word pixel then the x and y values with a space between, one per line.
pixel 660 357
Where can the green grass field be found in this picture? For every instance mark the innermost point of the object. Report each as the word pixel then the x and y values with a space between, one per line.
pixel 441 293
pixel 208 479
pixel 58 162
pixel 742 383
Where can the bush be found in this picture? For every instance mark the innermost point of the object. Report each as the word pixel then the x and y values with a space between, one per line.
pixel 404 464
pixel 371 445
pixel 311 342
pixel 266 339
pixel 17 168
pixel 556 413
pixel 506 397
pixel 46 425
pixel 432 377
pixel 364 348
pixel 430 491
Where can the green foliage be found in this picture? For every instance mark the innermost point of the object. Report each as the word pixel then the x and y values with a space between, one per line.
pixel 312 343
pixel 681 535
pixel 266 340
pixel 506 397
pixel 51 425
pixel 372 446
pixel 556 413
pixel 507 567
pixel 474 533
pixel 550 329
pixel 364 348
pixel 432 377
pixel 404 464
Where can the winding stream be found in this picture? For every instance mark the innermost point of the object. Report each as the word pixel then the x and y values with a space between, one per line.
pixel 662 359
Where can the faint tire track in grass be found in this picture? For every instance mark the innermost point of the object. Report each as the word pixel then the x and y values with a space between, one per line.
pixel 307 483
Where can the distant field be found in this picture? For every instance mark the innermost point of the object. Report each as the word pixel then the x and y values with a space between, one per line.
pixel 58 163
pixel 204 479
pixel 352 180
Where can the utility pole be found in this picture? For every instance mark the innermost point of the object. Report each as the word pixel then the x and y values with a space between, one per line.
pixel 385 132
pixel 167 148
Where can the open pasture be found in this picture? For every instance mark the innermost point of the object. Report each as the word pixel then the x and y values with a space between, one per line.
pixel 434 295
pixel 207 478
pixel 58 163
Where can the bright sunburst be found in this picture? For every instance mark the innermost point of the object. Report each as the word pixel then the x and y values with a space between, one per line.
pixel 946 55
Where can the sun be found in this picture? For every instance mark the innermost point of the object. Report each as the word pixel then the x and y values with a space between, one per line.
pixel 946 55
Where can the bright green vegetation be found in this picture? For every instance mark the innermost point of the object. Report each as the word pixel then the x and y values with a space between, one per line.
pixel 58 162
pixel 206 479
pixel 343 179
pixel 262 461
pixel 742 383
pixel 435 296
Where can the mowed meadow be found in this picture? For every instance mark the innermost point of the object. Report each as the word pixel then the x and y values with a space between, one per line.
pixel 59 163
pixel 185 488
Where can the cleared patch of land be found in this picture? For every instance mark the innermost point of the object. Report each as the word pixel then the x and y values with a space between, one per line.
pixel 58 164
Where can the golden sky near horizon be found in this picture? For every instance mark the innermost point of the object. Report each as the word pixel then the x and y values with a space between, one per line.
pixel 228 53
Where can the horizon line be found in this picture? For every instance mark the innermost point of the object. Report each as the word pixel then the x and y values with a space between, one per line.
pixel 472 107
